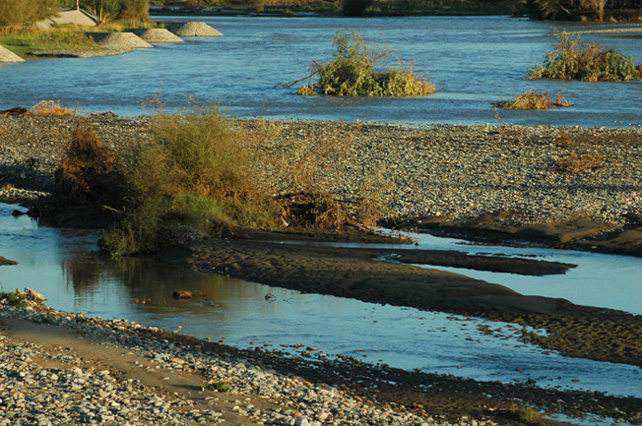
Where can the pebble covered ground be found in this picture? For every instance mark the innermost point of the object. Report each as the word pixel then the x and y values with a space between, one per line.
pixel 79 391
pixel 540 173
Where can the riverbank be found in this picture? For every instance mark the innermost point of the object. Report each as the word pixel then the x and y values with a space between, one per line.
pixel 62 368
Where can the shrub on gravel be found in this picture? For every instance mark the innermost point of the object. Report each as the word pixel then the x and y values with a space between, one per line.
pixel 89 178
pixel 198 176
pixel 577 60
pixel 354 71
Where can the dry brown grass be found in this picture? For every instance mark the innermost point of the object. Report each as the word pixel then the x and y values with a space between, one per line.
pixel 50 109
pixel 90 173
pixel 577 163
pixel 532 100
pixel 565 140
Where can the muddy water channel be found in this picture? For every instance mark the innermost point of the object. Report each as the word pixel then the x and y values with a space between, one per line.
pixel 66 267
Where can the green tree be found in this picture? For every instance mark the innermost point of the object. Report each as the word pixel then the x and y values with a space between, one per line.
pixel 105 10
pixel 134 10
pixel 21 12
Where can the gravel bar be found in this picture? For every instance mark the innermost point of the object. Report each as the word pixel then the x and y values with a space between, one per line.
pixel 436 170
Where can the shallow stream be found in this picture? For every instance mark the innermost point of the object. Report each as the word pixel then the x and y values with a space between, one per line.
pixel 65 266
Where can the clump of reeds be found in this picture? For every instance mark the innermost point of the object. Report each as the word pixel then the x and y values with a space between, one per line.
pixel 577 60
pixel 355 71
pixel 525 414
pixel 532 100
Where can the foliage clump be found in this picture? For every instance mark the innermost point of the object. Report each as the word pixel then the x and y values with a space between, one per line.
pixel 126 10
pixel 217 386
pixel 531 100
pixel 89 184
pixel 15 299
pixel 577 60
pixel 15 13
pixel 197 176
pixel 527 415
pixel 353 72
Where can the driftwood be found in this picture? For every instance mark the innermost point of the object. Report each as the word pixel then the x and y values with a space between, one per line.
pixel 316 67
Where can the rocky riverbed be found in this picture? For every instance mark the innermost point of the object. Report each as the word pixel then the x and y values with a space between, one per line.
pixel 451 171
pixel 568 187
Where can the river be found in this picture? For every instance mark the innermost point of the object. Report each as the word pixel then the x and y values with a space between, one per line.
pixel 65 266
pixel 474 61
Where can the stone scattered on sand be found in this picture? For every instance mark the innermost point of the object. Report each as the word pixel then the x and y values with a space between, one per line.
pixel 193 29
pixel 157 35
pixel 124 40
pixel 7 55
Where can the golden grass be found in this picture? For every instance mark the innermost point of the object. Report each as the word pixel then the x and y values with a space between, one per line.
pixel 50 109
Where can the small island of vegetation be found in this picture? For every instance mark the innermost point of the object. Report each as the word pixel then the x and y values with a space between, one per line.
pixel 354 71
pixel 573 59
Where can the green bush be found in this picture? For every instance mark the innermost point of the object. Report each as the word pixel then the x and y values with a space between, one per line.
pixel 134 10
pixel 197 176
pixel 577 60
pixel 105 10
pixel 20 12
pixel 353 72
pixel 14 299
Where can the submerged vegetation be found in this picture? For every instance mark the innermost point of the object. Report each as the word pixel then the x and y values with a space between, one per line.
pixel 574 59
pixel 532 100
pixel 355 71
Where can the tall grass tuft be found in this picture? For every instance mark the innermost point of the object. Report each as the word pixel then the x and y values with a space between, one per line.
pixel 198 176
pixel 354 72
pixel 577 60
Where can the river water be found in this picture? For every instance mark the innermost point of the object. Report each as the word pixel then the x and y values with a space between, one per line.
pixel 474 61
pixel 66 267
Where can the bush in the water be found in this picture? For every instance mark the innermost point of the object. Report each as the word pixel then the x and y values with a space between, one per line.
pixel 532 100
pixel 353 72
pixel 577 60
